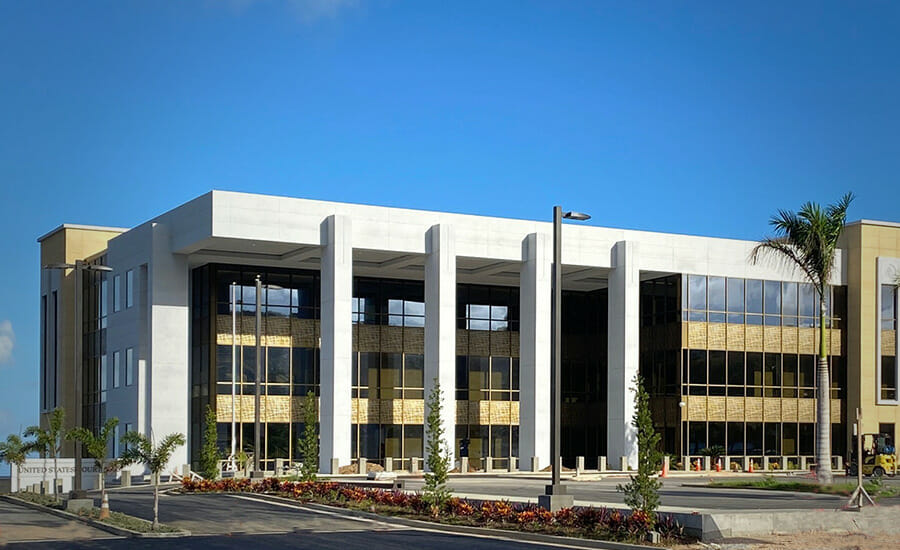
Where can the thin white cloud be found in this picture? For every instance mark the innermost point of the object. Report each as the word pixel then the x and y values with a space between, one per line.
pixel 307 11
pixel 7 342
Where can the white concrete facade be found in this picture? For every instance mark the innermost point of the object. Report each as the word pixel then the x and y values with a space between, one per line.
pixel 344 240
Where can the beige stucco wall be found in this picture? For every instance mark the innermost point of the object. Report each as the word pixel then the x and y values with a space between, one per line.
pixel 865 242
pixel 65 245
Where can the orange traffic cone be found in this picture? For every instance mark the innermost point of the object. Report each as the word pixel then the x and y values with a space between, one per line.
pixel 665 467
pixel 751 467
pixel 719 465
pixel 697 465
pixel 104 507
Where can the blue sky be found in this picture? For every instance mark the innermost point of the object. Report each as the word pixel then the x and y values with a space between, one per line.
pixel 688 117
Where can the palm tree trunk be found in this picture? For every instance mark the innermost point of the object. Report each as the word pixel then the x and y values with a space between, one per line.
pixel 55 474
pixel 155 501
pixel 823 404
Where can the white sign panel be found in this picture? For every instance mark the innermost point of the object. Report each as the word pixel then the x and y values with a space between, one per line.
pixel 37 470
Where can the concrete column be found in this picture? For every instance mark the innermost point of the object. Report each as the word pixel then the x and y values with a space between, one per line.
pixel 746 463
pixel 488 464
pixel 765 464
pixel 336 331
pixel 414 465
pixel 362 466
pixel 623 463
pixel 534 350
pixel 125 479
pixel 579 465
pixel 464 465
pixel 440 327
pixel 624 330
pixel 601 463
pixel 803 465
pixel 707 460
pixel 513 464
pixel 388 464
pixel 535 464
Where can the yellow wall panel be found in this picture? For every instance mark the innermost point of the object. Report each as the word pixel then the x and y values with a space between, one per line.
pixel 771 409
pixel 734 409
pixel 715 408
pixel 772 339
pixel 789 410
pixel 789 339
pixel 735 337
pixel 717 336
pixel 697 335
pixel 754 409
pixel 753 338
pixel 806 410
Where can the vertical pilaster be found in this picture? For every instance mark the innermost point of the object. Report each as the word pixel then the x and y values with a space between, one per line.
pixel 624 333
pixel 534 352
pixel 440 326
pixel 336 333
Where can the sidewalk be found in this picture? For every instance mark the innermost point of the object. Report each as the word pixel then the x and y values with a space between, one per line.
pixel 20 524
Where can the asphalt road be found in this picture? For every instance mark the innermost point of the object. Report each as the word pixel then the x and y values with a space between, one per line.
pixel 387 540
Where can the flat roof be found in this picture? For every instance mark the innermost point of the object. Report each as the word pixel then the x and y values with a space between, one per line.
pixel 82 227
pixel 875 222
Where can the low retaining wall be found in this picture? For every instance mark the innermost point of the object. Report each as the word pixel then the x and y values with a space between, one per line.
pixel 719 525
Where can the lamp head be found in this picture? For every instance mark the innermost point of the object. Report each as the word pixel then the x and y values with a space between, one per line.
pixel 579 216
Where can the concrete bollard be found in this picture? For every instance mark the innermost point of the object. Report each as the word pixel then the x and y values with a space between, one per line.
pixel 623 463
pixel 279 466
pixel 782 461
pixel 464 465
pixel 746 463
pixel 59 486
pixel 707 460
pixel 335 465
pixel 488 464
pixel 388 464
pixel 579 465
pixel 414 465
pixel 125 479
pixel 513 464
pixel 186 471
pixel 361 466
pixel 803 465
pixel 601 463
pixel 45 487
pixel 839 463
pixel 765 464
pixel 686 463
pixel 535 464
pixel 35 487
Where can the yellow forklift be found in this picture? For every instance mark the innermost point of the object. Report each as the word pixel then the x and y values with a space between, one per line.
pixel 879 456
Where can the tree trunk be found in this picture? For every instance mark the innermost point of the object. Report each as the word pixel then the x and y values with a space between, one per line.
pixel 155 501
pixel 101 482
pixel 55 474
pixel 823 404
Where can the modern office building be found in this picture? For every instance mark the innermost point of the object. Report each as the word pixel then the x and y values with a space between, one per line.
pixel 368 306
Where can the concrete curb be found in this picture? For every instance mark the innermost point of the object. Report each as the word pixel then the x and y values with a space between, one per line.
pixel 462 529
pixel 115 530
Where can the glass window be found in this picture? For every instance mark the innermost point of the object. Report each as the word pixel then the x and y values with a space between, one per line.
pixel 696 437
pixel 888 305
pixel 735 295
pixel 248 364
pixel 414 371
pixel 117 369
pixel 754 291
pixel 772 435
pixel 717 435
pixel 129 288
pixel 500 373
pixel 789 299
pixel 889 377
pixel 735 368
pixel 129 366
pixel 735 438
pixel 698 366
pixel 223 363
pixel 807 300
pixel 697 292
pixel 754 438
pixel 807 371
pixel 117 293
pixel 716 289
pixel 303 367
pixel 789 368
pixel 773 297
pixel 717 367
pixel 279 365
pixel 754 369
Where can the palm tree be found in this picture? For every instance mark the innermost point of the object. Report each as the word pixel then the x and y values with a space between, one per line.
pixel 96 445
pixel 41 445
pixel 49 441
pixel 139 449
pixel 13 451
pixel 806 241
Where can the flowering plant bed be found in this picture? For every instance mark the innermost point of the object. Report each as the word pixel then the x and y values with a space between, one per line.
pixel 593 523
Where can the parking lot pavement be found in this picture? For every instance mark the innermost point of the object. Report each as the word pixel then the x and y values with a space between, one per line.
pixel 677 494
pixel 18 523
pixel 214 514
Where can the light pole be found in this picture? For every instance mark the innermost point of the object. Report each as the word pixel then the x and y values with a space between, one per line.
pixel 555 496
pixel 256 422
pixel 77 268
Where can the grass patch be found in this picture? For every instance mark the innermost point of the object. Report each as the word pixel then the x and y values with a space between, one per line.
pixel 42 500
pixel 118 519
pixel 875 487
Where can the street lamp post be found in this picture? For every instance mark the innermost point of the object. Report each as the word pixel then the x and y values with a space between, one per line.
pixel 77 268
pixel 555 496
pixel 256 402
